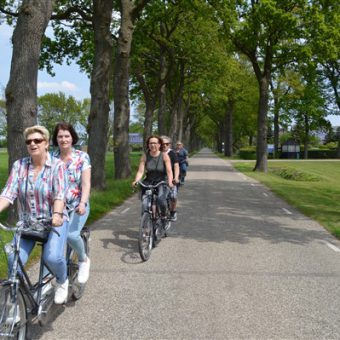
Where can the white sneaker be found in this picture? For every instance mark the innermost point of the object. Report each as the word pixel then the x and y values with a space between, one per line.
pixel 61 291
pixel 84 271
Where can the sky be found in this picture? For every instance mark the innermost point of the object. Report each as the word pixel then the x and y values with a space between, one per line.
pixel 68 78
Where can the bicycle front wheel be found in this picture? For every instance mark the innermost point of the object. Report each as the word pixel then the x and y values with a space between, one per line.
pixel 13 317
pixel 145 237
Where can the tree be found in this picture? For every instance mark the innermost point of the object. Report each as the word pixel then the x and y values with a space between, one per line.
pixel 265 32
pixel 129 13
pixel 21 90
pixel 100 83
pixel 323 45
pixel 56 107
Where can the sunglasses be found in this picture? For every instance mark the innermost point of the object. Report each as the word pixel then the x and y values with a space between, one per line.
pixel 166 143
pixel 34 140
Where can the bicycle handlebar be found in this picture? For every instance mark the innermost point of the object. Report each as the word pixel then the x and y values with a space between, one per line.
pixel 7 228
pixel 151 186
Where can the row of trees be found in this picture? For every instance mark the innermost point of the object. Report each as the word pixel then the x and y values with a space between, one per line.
pixel 220 71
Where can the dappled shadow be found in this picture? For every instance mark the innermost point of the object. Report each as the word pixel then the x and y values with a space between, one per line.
pixel 37 332
pixel 216 205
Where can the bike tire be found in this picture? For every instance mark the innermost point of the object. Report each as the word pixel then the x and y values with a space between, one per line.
pixel 145 237
pixel 77 289
pixel 13 324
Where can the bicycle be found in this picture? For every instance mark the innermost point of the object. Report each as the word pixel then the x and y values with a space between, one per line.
pixel 151 230
pixel 76 288
pixel 22 302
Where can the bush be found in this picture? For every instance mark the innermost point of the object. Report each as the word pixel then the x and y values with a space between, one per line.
pixel 295 175
pixel 247 153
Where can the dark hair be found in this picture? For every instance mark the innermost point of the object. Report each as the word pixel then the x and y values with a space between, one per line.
pixel 160 141
pixel 67 127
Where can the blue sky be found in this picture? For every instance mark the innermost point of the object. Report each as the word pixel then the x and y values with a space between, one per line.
pixel 68 79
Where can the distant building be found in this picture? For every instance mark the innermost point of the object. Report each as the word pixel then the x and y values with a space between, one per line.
pixel 135 138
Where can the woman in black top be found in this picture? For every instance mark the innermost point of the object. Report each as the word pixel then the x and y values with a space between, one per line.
pixel 158 168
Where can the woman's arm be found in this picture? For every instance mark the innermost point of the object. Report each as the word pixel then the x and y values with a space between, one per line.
pixel 167 163
pixel 176 172
pixel 4 204
pixel 140 171
pixel 57 215
pixel 85 191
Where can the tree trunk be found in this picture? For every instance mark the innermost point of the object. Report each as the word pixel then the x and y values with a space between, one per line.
pixel 162 90
pixel 261 146
pixel 180 110
pixel 121 93
pixel 100 84
pixel 148 119
pixel 306 139
pixel 21 90
pixel 276 121
pixel 228 137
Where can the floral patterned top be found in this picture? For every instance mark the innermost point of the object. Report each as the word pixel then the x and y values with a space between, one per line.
pixel 75 165
pixel 50 184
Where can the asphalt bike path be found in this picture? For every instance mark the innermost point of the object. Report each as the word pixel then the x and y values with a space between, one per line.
pixel 239 263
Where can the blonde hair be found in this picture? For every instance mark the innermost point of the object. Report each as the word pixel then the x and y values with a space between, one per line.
pixel 37 128
pixel 166 138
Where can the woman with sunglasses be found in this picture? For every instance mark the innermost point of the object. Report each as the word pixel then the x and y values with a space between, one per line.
pixel 157 166
pixel 38 183
pixel 77 198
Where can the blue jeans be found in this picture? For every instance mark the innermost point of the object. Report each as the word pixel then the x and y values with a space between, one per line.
pixel 163 192
pixel 74 239
pixel 53 252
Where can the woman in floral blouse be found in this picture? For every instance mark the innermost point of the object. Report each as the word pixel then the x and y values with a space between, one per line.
pixel 38 184
pixel 77 197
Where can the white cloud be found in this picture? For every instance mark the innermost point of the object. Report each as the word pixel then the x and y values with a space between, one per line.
pixel 55 86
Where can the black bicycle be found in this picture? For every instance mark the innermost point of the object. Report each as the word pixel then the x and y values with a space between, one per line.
pixel 151 229
pixel 23 302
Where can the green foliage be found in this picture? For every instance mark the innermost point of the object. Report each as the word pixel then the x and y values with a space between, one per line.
pixel 247 153
pixel 54 108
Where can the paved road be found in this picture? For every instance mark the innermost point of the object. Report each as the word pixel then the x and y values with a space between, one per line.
pixel 239 264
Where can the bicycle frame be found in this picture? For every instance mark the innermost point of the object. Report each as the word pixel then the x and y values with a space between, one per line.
pixel 18 279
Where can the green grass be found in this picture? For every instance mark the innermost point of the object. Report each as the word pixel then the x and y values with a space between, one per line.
pixel 101 201
pixel 313 187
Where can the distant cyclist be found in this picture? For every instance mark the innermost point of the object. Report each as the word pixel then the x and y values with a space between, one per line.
pixel 175 172
pixel 157 166
pixel 182 155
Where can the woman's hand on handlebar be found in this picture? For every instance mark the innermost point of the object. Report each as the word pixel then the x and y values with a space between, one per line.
pixel 57 220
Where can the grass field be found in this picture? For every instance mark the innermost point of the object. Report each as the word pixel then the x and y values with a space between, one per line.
pixel 101 201
pixel 313 187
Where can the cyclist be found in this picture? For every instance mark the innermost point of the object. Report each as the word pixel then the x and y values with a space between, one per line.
pixel 78 168
pixel 39 183
pixel 175 172
pixel 157 165
pixel 182 155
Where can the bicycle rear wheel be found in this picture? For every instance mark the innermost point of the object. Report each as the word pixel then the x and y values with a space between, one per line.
pixel 77 289
pixel 145 237
pixel 13 315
